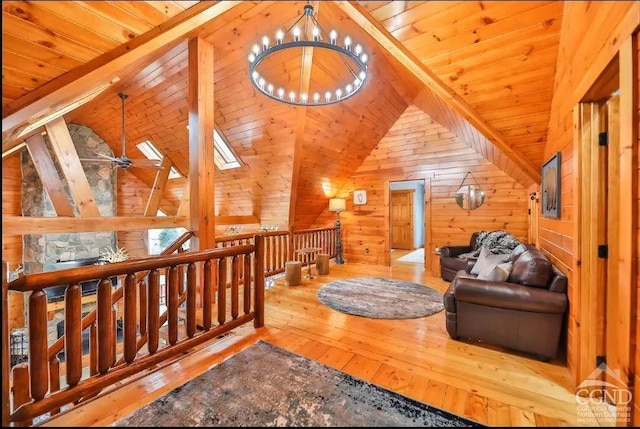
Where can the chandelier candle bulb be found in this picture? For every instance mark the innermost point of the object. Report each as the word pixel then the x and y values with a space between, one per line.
pixel 358 49
pixel 265 43
pixel 279 37
pixel 280 92
pixel 292 96
pixel 364 58
pixel 338 93
pixel 316 34
pixel 333 36
pixel 347 43
pixel 303 97
pixel 252 57
pixel 349 89
pixel 327 96
pixel 296 34
pixel 316 97
pixel 261 82
pixel 270 88
pixel 256 49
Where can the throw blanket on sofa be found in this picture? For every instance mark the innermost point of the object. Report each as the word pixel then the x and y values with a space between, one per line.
pixel 498 242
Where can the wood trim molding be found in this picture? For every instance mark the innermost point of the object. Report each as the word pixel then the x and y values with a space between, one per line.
pixel 380 34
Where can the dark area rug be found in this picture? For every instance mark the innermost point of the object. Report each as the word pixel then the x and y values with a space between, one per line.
pixel 265 385
pixel 381 298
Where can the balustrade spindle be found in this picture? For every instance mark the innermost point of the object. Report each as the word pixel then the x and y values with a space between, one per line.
pixel 38 347
pixel 73 333
pixel 114 337
pixel 172 304
pixel 93 349
pixel 105 326
pixel 153 311
pixel 207 291
pixel 267 253
pixel 258 282
pixel 130 336
pixel 234 287
pixel 181 287
pixel 54 379
pixel 142 305
pixel 247 284
pixel 222 289
pixel 192 278
pixel 20 388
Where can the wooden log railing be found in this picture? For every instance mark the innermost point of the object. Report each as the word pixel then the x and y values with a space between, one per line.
pixel 37 386
pixel 323 238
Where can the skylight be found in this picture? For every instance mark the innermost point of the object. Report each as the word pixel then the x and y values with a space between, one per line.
pixel 223 156
pixel 151 152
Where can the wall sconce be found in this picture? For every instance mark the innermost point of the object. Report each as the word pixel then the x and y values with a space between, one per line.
pixel 338 205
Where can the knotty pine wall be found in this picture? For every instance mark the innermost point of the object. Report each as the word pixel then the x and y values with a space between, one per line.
pixel 589 40
pixel 12 245
pixel 416 147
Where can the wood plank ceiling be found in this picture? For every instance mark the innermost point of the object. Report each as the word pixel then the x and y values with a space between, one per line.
pixel 498 56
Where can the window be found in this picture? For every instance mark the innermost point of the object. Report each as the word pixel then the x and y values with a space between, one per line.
pixel 151 152
pixel 223 156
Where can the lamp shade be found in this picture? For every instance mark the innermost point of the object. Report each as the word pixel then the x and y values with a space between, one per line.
pixel 337 205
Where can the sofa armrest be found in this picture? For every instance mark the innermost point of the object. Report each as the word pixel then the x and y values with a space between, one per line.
pixel 453 251
pixel 508 295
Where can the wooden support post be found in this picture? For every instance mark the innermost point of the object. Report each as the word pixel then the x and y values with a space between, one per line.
pixel 6 408
pixel 258 283
pixel 201 149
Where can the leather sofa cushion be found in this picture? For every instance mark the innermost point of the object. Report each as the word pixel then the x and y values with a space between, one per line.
pixel 508 295
pixel 455 264
pixel 531 268
pixel 519 250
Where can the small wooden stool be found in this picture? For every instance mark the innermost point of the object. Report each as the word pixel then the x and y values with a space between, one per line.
pixel 293 273
pixel 322 264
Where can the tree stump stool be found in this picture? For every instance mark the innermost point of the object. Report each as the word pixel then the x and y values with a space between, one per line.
pixel 293 273
pixel 322 264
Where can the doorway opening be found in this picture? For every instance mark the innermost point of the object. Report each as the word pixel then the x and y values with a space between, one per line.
pixel 407 220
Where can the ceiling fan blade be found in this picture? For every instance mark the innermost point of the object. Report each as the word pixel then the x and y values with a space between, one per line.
pixel 96 160
pixel 110 158
pixel 147 163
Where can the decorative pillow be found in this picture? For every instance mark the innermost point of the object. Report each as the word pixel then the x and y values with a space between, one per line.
pixel 496 273
pixel 486 259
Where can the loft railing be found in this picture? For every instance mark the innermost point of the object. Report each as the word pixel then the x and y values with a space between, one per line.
pixel 234 266
pixel 36 387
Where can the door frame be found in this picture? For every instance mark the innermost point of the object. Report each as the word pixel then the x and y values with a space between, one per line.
pixel 426 225
pixel 623 229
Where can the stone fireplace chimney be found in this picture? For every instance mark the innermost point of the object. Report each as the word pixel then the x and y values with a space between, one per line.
pixel 40 249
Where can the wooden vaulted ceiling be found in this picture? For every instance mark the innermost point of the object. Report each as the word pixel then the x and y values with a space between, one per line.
pixel 495 59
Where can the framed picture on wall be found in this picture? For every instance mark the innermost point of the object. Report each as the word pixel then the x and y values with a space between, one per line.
pixel 551 187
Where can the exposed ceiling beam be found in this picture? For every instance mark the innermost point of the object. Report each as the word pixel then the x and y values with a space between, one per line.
pixel 21 225
pixel 65 151
pixel 301 120
pixel 380 34
pixel 48 174
pixel 104 69
pixel 159 185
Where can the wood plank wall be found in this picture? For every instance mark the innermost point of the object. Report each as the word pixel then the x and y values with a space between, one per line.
pixel 12 245
pixel 588 42
pixel 417 147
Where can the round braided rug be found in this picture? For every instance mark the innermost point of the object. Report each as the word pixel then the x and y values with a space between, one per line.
pixel 381 298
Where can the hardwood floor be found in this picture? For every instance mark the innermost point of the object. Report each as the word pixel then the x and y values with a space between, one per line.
pixel 414 357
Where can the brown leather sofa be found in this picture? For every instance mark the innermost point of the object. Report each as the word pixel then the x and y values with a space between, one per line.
pixel 525 313
pixel 450 264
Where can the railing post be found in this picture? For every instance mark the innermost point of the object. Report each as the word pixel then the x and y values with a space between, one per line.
pixel 258 283
pixel 6 409
pixel 290 250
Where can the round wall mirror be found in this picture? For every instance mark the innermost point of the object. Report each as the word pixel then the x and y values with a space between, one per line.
pixel 470 197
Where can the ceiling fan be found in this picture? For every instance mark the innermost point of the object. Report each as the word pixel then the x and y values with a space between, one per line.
pixel 123 161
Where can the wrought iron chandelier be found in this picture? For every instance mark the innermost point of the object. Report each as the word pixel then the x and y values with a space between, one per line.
pixel 310 34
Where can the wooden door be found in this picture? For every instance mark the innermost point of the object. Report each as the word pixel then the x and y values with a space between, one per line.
pixel 402 219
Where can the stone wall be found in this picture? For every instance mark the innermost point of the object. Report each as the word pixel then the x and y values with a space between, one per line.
pixel 40 249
